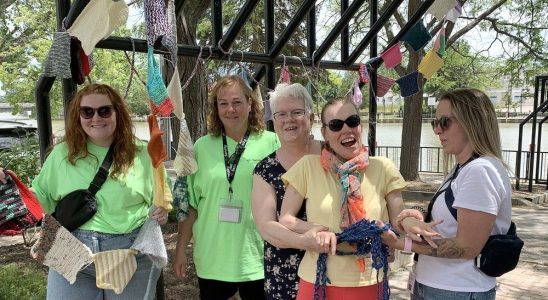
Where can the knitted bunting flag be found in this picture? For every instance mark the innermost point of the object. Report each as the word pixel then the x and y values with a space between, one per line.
pixel 430 64
pixel 155 146
pixel 57 63
pixel 357 96
pixel 364 75
pixel 383 85
pixel 439 45
pixel 440 8
pixel 114 269
pixel 409 85
pixel 28 197
pixel 174 91
pixel 284 76
pixel 392 56
pixel 162 196
pixel 454 13
pixel 184 162
pixel 180 198
pixel 156 20
pixel 150 241
pixel 157 91
pixel 418 36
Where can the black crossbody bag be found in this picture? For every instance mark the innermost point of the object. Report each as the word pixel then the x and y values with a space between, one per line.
pixel 501 252
pixel 77 207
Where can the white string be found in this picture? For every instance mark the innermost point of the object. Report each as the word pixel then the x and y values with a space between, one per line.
pixel 198 61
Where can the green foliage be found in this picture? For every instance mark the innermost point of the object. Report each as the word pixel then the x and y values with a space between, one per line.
pixel 22 282
pixel 23 158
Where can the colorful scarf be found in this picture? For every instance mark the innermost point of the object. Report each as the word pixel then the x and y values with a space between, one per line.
pixel 350 174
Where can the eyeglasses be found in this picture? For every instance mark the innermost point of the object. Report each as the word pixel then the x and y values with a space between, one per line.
pixel 88 112
pixel 284 115
pixel 336 124
pixel 443 122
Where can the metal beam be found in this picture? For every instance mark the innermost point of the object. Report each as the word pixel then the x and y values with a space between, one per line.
pixel 336 31
pixel 238 24
pixel 43 114
pixel 311 32
pixel 373 31
pixel 217 20
pixel 372 132
pixel 291 27
pixel 75 10
pixel 269 39
pixel 345 34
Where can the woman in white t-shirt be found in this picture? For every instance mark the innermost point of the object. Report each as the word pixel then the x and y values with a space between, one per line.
pixel 480 192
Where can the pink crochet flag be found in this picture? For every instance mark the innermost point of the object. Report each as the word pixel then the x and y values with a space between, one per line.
pixel 284 77
pixel 364 75
pixel 383 85
pixel 392 56
pixel 357 96
pixel 430 64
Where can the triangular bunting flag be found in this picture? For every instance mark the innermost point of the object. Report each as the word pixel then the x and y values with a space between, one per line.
pixel 440 8
pixel 174 90
pixel 430 64
pixel 418 36
pixel 383 85
pixel 156 88
pixel 364 75
pixel 357 96
pixel 392 56
pixel 409 85
pixel 439 45
pixel 454 13
pixel 284 77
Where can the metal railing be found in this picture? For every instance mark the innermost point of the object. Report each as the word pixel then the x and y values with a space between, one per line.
pixel 431 160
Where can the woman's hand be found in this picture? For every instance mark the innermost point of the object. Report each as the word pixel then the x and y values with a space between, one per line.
pixel 180 265
pixel 416 229
pixel 407 213
pixel 159 214
pixel 327 242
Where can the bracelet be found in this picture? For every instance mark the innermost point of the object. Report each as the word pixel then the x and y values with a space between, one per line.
pixel 422 210
pixel 407 245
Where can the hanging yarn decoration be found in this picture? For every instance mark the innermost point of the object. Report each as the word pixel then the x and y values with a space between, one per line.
pixel 259 97
pixel 156 20
pixel 430 64
pixel 75 61
pixel 114 269
pixel 57 63
pixel 284 77
pixel 409 85
pixel 357 96
pixel 28 197
pixel 454 13
pixel 439 44
pixel 157 91
pixel 180 198
pixel 155 146
pixel 11 203
pixel 365 235
pixel 161 192
pixel 364 75
pixel 383 85
pixel 150 242
pixel 392 56
pixel 418 36
pixel 175 93
pixel 440 8
pixel 185 163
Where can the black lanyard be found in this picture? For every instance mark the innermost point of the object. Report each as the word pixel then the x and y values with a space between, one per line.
pixel 231 162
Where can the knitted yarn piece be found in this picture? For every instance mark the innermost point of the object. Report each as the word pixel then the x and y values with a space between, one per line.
pixel 430 64
pixel 156 88
pixel 28 197
pixel 259 96
pixel 180 198
pixel 409 85
pixel 418 36
pixel 57 63
pixel 156 20
pixel 357 96
pixel 11 204
pixel 114 269
pixel 439 44
pixel 58 249
pixel 175 93
pixel 162 191
pixel 150 241
pixel 97 21
pixel 185 163
pixel 383 85
pixel 392 56
pixel 284 77
pixel 75 61
pixel 155 146
pixel 440 8
pixel 454 13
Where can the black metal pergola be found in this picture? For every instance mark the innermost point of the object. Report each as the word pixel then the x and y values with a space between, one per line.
pixel 268 60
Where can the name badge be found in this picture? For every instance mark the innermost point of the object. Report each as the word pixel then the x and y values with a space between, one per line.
pixel 230 211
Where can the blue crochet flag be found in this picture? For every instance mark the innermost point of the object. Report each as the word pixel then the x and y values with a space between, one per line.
pixel 409 85
pixel 156 88
pixel 418 36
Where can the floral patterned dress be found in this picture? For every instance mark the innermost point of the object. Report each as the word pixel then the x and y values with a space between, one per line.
pixel 280 265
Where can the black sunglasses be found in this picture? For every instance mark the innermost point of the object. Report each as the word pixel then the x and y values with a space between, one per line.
pixel 443 122
pixel 336 124
pixel 88 112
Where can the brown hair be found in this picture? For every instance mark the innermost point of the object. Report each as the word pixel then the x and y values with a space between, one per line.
pixel 123 141
pixel 255 118
pixel 333 101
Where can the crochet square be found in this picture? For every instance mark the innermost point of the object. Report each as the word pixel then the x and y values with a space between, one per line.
pixel 409 85
pixel 57 63
pixel 150 241
pixel 392 56
pixel 454 13
pixel 418 36
pixel 440 8
pixel 185 163
pixel 430 64
pixel 114 269
pixel 383 85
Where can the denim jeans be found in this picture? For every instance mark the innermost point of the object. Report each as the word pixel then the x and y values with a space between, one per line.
pixel 141 286
pixel 423 292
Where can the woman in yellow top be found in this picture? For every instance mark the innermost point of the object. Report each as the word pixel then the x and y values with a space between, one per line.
pixel 374 193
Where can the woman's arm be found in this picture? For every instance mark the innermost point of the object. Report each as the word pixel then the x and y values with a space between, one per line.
pixel 394 204
pixel 290 207
pixel 184 235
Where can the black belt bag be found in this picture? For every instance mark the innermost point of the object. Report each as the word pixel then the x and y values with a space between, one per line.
pixel 77 207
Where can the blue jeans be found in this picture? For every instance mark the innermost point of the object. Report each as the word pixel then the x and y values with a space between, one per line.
pixel 141 286
pixel 423 292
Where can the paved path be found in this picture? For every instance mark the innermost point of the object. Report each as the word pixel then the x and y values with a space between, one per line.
pixel 530 278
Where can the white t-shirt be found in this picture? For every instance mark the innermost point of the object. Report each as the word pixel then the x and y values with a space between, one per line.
pixel 481 185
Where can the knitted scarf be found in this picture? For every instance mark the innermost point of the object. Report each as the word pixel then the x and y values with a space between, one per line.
pixel 349 174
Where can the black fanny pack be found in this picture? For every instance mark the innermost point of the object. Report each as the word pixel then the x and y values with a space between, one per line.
pixel 77 207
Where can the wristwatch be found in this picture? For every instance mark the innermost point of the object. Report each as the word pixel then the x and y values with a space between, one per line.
pixel 407 244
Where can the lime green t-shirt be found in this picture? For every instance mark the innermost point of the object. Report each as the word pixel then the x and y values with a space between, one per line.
pixel 122 204
pixel 322 191
pixel 226 251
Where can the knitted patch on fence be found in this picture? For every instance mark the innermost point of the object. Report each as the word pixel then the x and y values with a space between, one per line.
pixel 409 84
pixel 150 241
pixel 114 269
pixel 430 64
pixel 155 146
pixel 157 91
pixel 175 93
pixel 97 21
pixel 392 56
pixel 383 85
pixel 418 36
pixel 58 249
pixel 185 163
pixel 162 191
pixel 365 235
pixel 57 63
pixel 440 8
pixel 180 198
pixel 156 20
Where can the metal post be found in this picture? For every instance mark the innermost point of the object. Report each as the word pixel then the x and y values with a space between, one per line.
pixel 372 133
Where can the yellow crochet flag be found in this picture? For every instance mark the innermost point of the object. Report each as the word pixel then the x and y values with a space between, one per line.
pixel 114 269
pixel 162 193
pixel 430 64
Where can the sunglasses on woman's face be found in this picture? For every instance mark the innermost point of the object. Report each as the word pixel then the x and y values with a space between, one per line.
pixel 88 112
pixel 337 124
pixel 443 122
